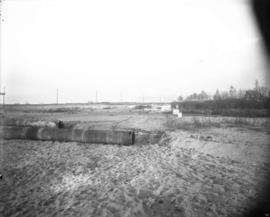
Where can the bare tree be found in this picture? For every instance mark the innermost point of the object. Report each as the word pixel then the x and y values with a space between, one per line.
pixel 180 98
pixel 232 92
pixel 217 95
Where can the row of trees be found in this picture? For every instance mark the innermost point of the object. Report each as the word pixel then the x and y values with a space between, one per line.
pixel 258 93
pixel 248 103
pixel 198 96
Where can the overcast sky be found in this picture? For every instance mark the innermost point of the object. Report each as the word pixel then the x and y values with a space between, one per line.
pixel 151 48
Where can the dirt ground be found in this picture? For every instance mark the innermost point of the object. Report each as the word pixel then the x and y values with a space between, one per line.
pixel 205 171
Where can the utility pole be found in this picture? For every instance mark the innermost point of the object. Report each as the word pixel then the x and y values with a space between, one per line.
pixel 3 94
pixel 96 96
pixel 57 96
pixel 1 20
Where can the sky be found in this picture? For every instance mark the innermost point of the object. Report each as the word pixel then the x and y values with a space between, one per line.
pixel 151 50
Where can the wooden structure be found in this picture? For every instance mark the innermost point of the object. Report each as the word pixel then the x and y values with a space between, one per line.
pixel 68 135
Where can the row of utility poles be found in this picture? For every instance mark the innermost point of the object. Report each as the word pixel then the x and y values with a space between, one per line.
pixel 121 97
pixel 57 96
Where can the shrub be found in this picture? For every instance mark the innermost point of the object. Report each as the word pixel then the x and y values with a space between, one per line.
pixel 190 123
pixel 142 106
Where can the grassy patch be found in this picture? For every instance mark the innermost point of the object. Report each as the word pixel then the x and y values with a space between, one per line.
pixel 192 123
pixel 199 122
pixel 63 110
pixel 142 106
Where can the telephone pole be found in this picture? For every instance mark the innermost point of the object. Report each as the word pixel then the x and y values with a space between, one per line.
pixel 3 94
pixel 57 96
pixel 1 20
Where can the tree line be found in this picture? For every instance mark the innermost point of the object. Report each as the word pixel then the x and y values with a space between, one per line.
pixel 250 102
pixel 258 93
